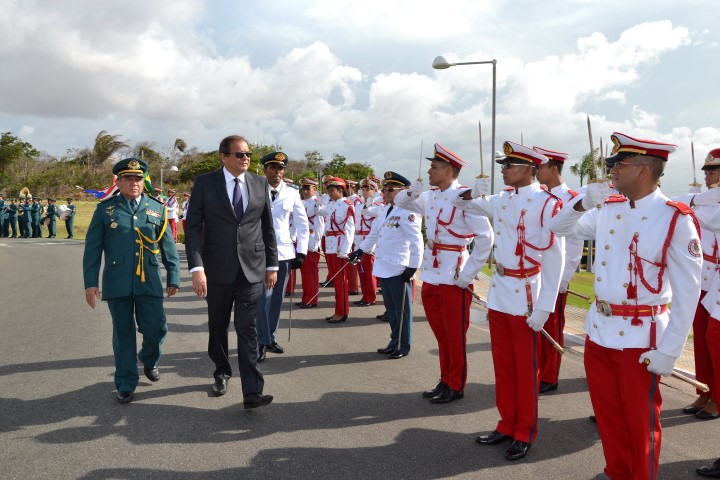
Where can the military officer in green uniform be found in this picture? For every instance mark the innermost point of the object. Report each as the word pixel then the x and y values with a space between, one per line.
pixel 24 217
pixel 51 213
pixel 3 216
pixel 70 220
pixel 131 230
pixel 40 215
pixel 12 218
pixel 34 218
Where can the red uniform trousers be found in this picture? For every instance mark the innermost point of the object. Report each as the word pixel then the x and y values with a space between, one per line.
pixel 351 273
pixel 173 227
pixel 368 282
pixel 342 303
pixel 713 342
pixel 703 365
pixel 447 308
pixel 310 275
pixel 514 351
pixel 292 281
pixel 184 222
pixel 549 358
pixel 626 399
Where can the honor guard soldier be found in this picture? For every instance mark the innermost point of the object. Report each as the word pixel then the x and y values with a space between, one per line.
pixel 309 270
pixel 363 225
pixel 705 407
pixel 285 202
pixel 529 261
pixel 130 229
pixel 396 238
pixel 357 202
pixel 446 291
pixel 172 206
pixel 550 175
pixel 339 235
pixel 51 214
pixel 648 254
pixel 70 220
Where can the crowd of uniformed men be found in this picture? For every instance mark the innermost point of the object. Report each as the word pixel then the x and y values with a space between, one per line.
pixel 651 251
pixel 25 217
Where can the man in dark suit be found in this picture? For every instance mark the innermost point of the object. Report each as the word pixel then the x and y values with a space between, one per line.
pixel 232 255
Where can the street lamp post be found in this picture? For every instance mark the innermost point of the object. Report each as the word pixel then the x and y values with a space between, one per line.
pixel 440 64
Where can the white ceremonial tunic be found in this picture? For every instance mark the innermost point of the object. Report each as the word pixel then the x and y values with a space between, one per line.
pixel 535 205
pixel 339 226
pixel 708 238
pixel 613 227
pixel 397 240
pixel 448 225
pixel 573 246
pixel 364 221
pixel 287 203
pixel 316 223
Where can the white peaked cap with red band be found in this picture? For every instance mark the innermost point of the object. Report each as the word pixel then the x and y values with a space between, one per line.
pixel 444 155
pixel 626 146
pixel 712 159
pixel 515 151
pixel 552 155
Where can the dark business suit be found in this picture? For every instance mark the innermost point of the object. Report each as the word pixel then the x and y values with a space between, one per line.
pixel 235 257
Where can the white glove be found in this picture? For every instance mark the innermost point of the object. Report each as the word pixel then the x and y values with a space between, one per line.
pixel 596 194
pixel 564 286
pixel 708 197
pixel 342 255
pixel 416 189
pixel 463 280
pixel 537 319
pixel 658 363
pixel 369 202
pixel 481 188
pixel 695 189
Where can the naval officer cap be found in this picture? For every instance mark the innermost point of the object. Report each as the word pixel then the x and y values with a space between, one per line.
pixel 625 146
pixel 712 161
pixel 552 155
pixel 520 154
pixel 274 158
pixel 368 182
pixel 442 154
pixel 394 178
pixel 130 167
pixel 307 181
pixel 335 182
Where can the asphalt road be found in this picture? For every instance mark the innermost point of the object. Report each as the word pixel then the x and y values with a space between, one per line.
pixel 341 411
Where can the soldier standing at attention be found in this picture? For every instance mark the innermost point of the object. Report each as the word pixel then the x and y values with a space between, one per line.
pixel 550 175
pixel 446 289
pixel 130 229
pixel 35 217
pixel 12 218
pixel 648 254
pixel 3 209
pixel 70 220
pixel 529 261
pixel 51 213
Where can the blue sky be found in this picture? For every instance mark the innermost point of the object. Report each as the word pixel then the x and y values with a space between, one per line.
pixel 355 77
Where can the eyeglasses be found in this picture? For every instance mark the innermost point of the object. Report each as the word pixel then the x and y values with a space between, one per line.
pixel 506 166
pixel 621 163
pixel 240 154
pixel 307 187
pixel 390 189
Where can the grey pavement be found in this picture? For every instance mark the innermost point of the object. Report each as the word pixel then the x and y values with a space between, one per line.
pixel 341 411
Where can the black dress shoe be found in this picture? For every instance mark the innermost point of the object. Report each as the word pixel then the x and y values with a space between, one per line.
pixel 220 387
pixel 492 438
pixel 363 303
pixel 446 396
pixel 517 450
pixel 397 354
pixel 354 292
pixel 712 471
pixel 435 391
pixel 387 351
pixel 254 400
pixel 125 397
pixel 547 387
pixel 337 320
pixel 301 304
pixel 382 316
pixel 593 418
pixel 691 409
pixel 308 306
pixel 153 374
pixel 275 348
pixel 287 294
pixel 705 415
pixel 261 353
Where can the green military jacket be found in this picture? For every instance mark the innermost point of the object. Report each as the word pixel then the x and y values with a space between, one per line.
pixel 112 232
pixel 51 210
pixel 12 211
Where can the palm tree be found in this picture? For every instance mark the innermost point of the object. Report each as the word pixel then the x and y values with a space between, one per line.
pixel 105 146
pixel 585 167
pixel 180 145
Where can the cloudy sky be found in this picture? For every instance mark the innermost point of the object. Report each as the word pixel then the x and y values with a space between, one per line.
pixel 355 78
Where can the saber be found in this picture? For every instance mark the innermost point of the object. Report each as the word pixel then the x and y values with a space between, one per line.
pixel 584 297
pixel 592 151
pixel 482 162
pixel 328 282
pixel 402 316
pixel 699 385
pixel 692 151
pixel 421 161
pixel 601 160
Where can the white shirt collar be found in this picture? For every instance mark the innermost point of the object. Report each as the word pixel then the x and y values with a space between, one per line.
pixel 229 177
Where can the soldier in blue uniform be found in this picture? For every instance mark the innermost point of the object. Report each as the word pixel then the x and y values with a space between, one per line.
pixel 131 230
pixel 70 220
pixel 40 215
pixel 51 213
pixel 3 216
pixel 34 218
pixel 12 218
pixel 25 217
